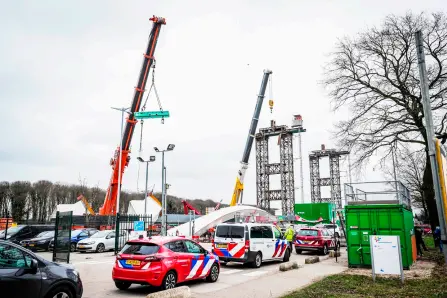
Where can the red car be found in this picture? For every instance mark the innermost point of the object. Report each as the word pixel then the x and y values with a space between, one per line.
pixel 315 239
pixel 163 262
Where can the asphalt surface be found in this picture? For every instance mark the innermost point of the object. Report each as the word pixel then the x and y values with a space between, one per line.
pixel 96 274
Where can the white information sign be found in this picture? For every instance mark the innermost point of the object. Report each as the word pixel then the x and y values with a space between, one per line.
pixel 386 257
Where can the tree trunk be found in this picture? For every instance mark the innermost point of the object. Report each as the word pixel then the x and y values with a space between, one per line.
pixel 429 195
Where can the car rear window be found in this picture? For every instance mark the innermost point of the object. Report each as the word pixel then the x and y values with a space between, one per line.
pixel 304 232
pixel 230 232
pixel 140 249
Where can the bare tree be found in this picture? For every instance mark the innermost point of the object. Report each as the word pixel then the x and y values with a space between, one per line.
pixel 375 76
pixel 410 171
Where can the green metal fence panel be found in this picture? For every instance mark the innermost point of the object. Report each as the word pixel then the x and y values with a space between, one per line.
pixel 62 236
pixel 128 227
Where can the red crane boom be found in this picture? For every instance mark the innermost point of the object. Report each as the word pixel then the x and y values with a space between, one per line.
pixel 109 206
pixel 187 207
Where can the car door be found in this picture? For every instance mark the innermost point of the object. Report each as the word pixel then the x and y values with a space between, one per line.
pixel 280 243
pixel 15 281
pixel 269 250
pixel 200 260
pixel 181 259
pixel 110 240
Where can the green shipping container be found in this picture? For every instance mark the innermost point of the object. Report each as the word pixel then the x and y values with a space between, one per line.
pixel 313 211
pixel 365 220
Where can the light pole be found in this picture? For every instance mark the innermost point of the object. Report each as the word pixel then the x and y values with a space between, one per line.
pixel 151 159
pixel 163 185
pixel 123 110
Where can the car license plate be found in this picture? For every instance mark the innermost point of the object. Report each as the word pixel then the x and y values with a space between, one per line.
pixel 133 262
pixel 31 244
pixel 81 246
pixel 306 242
pixel 221 245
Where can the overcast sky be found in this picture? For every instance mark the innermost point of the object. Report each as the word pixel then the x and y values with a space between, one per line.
pixel 64 64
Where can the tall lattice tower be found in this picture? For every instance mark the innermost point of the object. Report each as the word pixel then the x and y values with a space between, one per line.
pixel 284 168
pixel 333 181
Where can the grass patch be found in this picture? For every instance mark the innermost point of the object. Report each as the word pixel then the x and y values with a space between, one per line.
pixel 344 285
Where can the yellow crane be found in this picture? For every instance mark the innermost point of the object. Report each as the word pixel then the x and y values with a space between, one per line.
pixel 239 187
pixel 86 204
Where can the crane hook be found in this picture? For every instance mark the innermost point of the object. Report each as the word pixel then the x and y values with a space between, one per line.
pixel 271 105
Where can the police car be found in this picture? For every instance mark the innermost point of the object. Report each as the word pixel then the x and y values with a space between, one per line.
pixel 250 243
pixel 163 262
pixel 315 239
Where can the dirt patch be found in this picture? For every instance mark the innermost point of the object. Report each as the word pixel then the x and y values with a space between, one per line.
pixel 420 269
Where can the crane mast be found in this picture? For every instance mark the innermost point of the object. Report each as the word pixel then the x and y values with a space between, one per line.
pixel 239 187
pixel 109 206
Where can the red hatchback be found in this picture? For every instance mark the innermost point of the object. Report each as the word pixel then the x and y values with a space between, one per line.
pixel 163 262
pixel 315 239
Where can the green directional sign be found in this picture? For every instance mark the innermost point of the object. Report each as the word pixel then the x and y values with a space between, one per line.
pixel 151 115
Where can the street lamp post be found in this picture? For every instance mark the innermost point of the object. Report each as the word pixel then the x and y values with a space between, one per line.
pixel 151 159
pixel 123 110
pixel 163 183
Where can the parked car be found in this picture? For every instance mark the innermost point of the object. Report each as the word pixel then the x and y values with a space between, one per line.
pixel 250 243
pixel 39 242
pixel 21 232
pixel 315 239
pixel 76 236
pixel 100 241
pixel 163 262
pixel 25 274
pixel 331 227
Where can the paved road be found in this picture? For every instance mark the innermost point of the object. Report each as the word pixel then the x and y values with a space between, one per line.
pixel 96 269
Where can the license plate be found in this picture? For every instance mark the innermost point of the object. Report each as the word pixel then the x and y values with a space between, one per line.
pixel 81 246
pixel 133 262
pixel 306 242
pixel 223 245
pixel 31 244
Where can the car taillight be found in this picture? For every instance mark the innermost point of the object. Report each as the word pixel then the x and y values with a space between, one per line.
pixel 153 259
pixel 212 244
pixel 247 244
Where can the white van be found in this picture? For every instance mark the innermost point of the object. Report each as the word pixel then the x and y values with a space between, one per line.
pixel 249 243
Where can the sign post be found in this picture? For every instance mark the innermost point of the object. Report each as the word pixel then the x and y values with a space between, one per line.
pixel 386 256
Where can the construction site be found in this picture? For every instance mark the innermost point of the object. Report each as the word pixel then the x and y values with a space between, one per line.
pixel 248 242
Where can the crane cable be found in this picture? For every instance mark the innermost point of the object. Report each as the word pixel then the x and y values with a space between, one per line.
pixel 143 108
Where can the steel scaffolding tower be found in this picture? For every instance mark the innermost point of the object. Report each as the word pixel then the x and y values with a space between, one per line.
pixel 284 168
pixel 333 181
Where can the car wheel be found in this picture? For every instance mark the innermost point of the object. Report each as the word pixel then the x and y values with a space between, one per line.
pixel 214 273
pixel 169 281
pixel 286 256
pixel 298 251
pixel 122 285
pixel 100 247
pixel 60 292
pixel 325 250
pixel 72 247
pixel 258 261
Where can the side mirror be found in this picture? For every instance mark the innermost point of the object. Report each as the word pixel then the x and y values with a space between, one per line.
pixel 34 266
pixel 206 252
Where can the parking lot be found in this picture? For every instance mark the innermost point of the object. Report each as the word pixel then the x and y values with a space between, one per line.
pixel 96 271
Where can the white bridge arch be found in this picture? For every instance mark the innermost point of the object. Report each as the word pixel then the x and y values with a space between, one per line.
pixel 204 223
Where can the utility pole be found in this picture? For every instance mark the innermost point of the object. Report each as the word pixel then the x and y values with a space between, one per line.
pixel 430 136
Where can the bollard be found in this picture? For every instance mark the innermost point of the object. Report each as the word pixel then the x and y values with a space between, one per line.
pixel 288 266
pixel 180 292
pixel 312 260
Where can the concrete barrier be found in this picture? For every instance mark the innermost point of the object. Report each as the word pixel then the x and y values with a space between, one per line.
pixel 288 266
pixel 312 260
pixel 332 254
pixel 180 292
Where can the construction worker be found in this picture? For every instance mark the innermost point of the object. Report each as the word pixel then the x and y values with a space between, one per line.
pixel 289 236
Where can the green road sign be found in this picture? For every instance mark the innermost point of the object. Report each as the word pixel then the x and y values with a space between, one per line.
pixel 151 115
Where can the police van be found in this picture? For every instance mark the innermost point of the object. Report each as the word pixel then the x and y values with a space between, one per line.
pixel 250 243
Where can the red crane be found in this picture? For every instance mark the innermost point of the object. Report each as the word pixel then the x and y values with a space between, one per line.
pixel 109 205
pixel 187 207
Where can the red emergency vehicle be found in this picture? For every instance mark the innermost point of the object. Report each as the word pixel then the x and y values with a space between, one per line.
pixel 315 239
pixel 163 262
